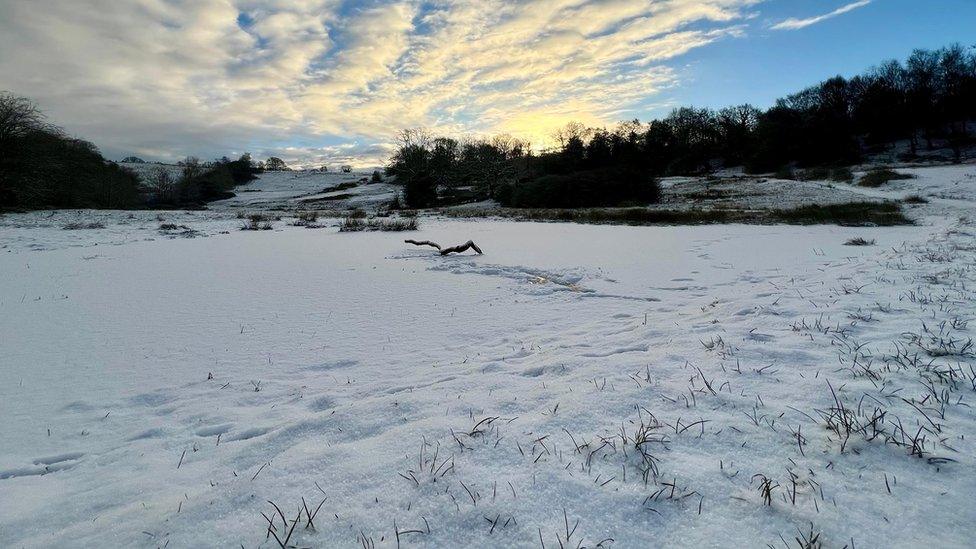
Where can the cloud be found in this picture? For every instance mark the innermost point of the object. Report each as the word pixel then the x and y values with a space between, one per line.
pixel 793 23
pixel 313 78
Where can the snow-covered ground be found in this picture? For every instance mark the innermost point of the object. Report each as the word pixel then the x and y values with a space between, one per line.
pixel 723 385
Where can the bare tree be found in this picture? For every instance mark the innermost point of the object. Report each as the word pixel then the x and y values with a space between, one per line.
pixel 19 116
pixel 162 185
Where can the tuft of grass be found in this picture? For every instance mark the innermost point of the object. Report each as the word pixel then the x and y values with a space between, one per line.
pixel 883 214
pixel 356 224
pixel 257 222
pixel 915 199
pixel 879 176
pixel 858 241
pixel 306 218
pixel 81 226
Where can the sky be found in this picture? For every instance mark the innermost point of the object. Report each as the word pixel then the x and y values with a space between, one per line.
pixel 332 82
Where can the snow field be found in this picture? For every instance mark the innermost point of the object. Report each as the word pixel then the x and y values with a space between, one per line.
pixel 576 385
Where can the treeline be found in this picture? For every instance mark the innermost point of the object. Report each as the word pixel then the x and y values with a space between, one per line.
pixel 42 167
pixel 197 183
pixel 924 103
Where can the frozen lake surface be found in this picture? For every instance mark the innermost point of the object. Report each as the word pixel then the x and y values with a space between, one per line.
pixel 647 382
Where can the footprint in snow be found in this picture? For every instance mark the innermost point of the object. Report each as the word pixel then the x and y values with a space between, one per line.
pixel 214 430
pixel 44 465
pixel 247 434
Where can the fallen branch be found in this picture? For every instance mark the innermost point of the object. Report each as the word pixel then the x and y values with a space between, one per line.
pixel 444 251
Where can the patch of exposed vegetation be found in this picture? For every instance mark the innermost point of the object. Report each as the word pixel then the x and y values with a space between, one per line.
pixel 852 213
pixel 83 226
pixel 859 241
pixel 915 199
pixel 307 218
pixel 257 222
pixel 880 176
pixel 822 173
pixel 357 224
pixel 332 198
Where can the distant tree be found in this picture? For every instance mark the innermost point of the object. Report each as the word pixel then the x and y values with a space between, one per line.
pixel 737 127
pixel 878 103
pixel 162 186
pixel 954 77
pixel 377 177
pixel 133 160
pixel 694 135
pixel 411 165
pixel 241 170
pixel 191 167
pixel 921 70
pixel 445 153
pixel 275 164
pixel 19 117
pixel 571 131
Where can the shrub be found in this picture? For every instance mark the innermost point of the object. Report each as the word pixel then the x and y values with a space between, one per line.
pixel 306 218
pixel 420 191
pixel 377 177
pixel 915 199
pixel 352 224
pixel 858 241
pixel 879 176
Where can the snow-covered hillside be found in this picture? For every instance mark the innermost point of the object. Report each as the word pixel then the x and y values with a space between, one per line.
pixel 576 385
pixel 309 189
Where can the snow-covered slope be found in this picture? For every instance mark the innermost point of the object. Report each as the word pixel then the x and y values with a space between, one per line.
pixel 304 189
pixel 616 386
